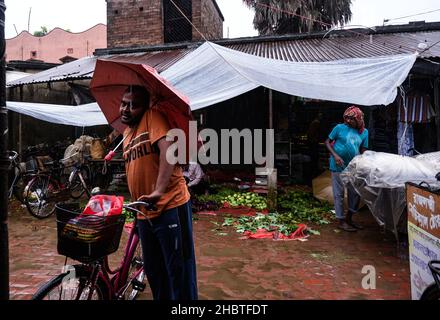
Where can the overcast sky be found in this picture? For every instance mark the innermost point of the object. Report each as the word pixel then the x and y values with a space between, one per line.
pixel 80 15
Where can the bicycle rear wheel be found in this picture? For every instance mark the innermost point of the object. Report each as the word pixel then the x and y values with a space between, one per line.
pixel 78 287
pixel 79 186
pixel 39 196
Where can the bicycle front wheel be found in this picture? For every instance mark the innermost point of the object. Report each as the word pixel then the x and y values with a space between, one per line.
pixel 77 287
pixel 136 276
pixel 39 196
pixel 431 293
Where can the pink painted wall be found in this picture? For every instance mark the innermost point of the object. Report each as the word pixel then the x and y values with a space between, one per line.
pixel 57 44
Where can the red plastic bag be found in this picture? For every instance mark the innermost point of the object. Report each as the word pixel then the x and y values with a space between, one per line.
pixel 103 205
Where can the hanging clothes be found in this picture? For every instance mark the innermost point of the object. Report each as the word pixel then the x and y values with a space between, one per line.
pixel 418 109
pixel 405 139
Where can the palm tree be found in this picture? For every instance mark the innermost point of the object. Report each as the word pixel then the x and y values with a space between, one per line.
pixel 272 16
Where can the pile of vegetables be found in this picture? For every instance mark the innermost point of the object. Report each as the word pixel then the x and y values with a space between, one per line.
pixel 248 199
pixel 210 201
pixel 294 207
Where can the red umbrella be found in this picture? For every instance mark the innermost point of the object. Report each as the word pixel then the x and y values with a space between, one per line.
pixel 111 79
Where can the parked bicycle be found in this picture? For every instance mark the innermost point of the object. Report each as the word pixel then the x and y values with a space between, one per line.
pixel 49 186
pixel 93 279
pixel 432 292
pixel 19 175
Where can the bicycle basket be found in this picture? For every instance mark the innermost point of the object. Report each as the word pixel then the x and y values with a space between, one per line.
pixel 86 238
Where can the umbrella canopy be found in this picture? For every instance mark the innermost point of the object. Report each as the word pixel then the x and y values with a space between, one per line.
pixel 112 78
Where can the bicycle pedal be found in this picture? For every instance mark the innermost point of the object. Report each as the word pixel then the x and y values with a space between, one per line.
pixel 137 285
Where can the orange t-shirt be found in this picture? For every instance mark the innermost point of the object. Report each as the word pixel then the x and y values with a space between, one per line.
pixel 141 155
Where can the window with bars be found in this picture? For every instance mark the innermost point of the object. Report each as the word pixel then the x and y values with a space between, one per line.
pixel 176 27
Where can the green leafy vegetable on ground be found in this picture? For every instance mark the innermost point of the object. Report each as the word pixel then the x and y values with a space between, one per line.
pixel 304 207
pixel 295 207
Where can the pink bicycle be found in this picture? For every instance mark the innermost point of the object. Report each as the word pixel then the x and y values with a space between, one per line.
pixel 90 240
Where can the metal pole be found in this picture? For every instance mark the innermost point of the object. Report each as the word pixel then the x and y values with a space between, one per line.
pixel 437 109
pixel 270 109
pixel 29 18
pixel 4 164
pixel 20 137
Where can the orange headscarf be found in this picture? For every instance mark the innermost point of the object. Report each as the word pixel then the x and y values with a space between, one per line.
pixel 358 115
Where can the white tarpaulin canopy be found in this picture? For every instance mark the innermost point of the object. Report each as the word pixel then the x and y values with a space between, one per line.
pixel 212 74
pixel 85 115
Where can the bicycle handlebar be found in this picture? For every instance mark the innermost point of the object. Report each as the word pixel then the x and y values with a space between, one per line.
pixel 148 205
pixel 12 155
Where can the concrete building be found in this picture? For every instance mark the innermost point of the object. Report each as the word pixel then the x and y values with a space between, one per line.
pixel 58 46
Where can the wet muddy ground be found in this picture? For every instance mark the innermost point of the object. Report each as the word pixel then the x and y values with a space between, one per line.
pixel 327 266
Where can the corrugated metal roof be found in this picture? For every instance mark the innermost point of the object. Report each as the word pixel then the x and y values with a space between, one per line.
pixel 79 69
pixel 158 60
pixel 83 68
pixel 15 75
pixel 304 49
pixel 328 49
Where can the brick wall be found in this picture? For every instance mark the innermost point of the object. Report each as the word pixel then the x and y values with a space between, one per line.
pixel 207 19
pixel 140 22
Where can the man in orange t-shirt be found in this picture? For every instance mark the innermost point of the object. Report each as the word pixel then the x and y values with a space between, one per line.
pixel 166 239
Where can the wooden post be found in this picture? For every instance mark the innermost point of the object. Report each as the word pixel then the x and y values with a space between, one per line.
pixel 272 172
pixel 272 189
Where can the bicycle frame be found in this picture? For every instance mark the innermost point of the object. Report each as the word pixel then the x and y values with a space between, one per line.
pixel 54 176
pixel 50 178
pixel 118 282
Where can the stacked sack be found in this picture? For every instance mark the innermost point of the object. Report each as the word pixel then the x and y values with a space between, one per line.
pixel 76 152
